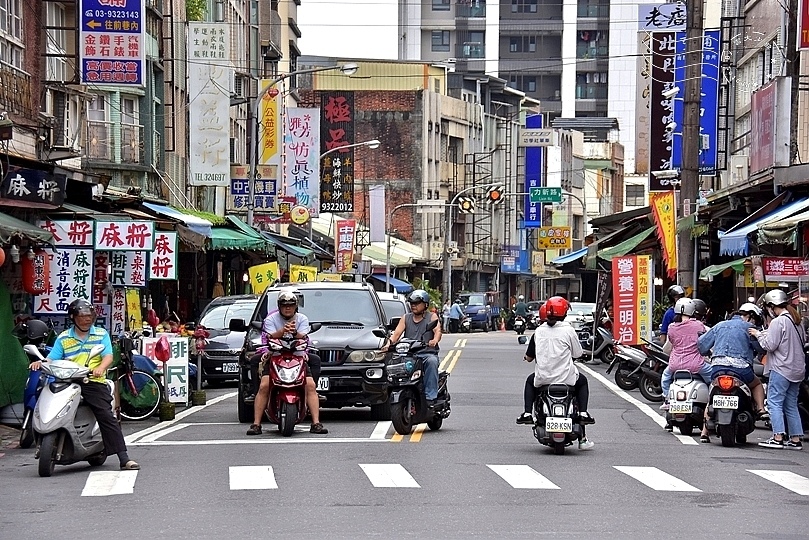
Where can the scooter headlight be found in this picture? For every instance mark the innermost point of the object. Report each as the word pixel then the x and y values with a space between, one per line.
pixel 402 348
pixel 416 375
pixel 288 375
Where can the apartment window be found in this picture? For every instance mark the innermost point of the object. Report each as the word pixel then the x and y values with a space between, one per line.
pixel 440 5
pixel 523 6
pixel 130 130
pixel 635 195
pixel 440 41
pixel 518 44
pixel 530 84
pixel 514 44
pixel 55 42
pixel 99 129
pixel 11 35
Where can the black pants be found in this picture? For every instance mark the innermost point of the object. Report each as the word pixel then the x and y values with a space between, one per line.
pixel 97 397
pixel 313 368
pixel 454 326
pixel 581 389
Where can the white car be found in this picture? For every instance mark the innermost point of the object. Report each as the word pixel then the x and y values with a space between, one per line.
pixel 395 304
pixel 580 314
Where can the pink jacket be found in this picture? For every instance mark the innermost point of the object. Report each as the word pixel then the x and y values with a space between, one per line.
pixel 684 353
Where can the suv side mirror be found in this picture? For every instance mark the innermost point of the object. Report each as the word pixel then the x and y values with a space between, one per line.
pixel 381 334
pixel 237 325
pixel 393 323
pixel 314 327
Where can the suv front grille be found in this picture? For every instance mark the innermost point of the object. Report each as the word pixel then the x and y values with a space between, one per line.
pixel 331 357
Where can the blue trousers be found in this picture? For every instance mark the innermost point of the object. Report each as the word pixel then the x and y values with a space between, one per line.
pixel 430 374
pixel 668 375
pixel 782 400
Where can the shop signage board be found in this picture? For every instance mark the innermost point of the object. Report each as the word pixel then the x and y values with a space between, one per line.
pixel 71 271
pixel 33 185
pixel 302 274
pixel 632 284
pixel 124 235
pixel 554 238
pixel 163 259
pixel 75 232
pixel 661 17
pixel 134 315
pixel 265 196
pixel 112 46
pixel 785 268
pixel 175 369
pixel 301 158
pixel 118 312
pixel 533 176
pixel 262 276
pixel 344 245
pixel 336 133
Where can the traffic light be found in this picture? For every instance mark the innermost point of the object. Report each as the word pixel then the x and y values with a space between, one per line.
pixel 496 194
pixel 466 205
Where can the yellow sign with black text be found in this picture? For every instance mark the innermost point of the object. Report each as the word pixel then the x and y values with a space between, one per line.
pixel 554 238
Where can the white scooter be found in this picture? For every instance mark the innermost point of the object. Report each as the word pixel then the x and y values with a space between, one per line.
pixel 66 429
pixel 688 398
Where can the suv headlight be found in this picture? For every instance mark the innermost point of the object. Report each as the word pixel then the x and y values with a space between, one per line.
pixel 481 311
pixel 366 356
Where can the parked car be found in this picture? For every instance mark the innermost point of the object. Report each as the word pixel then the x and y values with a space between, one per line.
pixel 220 358
pixel 477 309
pixel 580 314
pixel 394 304
pixel 353 330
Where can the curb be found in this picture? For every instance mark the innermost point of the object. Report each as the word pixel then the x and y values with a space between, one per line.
pixel 9 437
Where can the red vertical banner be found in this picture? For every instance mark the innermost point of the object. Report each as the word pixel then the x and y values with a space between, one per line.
pixel 632 298
pixel 344 245
pixel 803 29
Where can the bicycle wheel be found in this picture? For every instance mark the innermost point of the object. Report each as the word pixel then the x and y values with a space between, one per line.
pixel 140 395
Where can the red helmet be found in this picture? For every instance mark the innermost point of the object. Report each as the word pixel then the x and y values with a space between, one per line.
pixel 543 312
pixel 556 307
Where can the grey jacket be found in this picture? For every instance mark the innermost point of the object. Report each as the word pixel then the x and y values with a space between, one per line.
pixel 784 341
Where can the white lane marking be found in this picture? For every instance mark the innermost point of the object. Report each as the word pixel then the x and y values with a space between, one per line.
pixel 644 408
pixel 522 477
pixel 252 477
pixel 786 479
pixel 260 440
pixel 381 430
pixel 157 434
pixel 657 479
pixel 130 439
pixel 104 483
pixel 388 475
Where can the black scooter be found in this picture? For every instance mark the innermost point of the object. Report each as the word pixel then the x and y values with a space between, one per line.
pixel 408 403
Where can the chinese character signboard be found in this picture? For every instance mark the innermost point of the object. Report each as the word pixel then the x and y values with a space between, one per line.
pixel 77 232
pixel 270 137
pixel 163 260
pixel 786 268
pixel 134 315
pixel 71 279
pixel 124 235
pixel 533 176
pixel 209 78
pixel 537 137
pixel 302 147
pixel 661 17
pixel 803 28
pixel 662 110
pixel 176 368
pixel 344 245
pixel 709 101
pixel 336 131
pixel 762 136
pixel 112 44
pixel 632 298
pixel 643 84
pixel 103 313
pixel 264 191
pixel 262 276
pixel 302 274
pixel 31 185
pixel 118 315
pixel 665 217
pixel 554 238
pixel 128 268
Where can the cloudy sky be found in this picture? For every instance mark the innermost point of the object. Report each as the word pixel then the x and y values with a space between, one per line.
pixel 348 28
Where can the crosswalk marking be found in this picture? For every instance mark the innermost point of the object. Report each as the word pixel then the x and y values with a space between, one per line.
pixel 252 477
pixel 786 479
pixel 388 475
pixel 657 479
pixel 105 483
pixel 381 430
pixel 522 477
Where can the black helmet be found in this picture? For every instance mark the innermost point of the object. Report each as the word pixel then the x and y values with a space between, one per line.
pixel 700 308
pixel 675 292
pixel 37 330
pixel 80 307
pixel 419 295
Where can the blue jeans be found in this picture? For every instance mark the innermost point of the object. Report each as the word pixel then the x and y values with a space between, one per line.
pixel 668 376
pixel 430 375
pixel 782 399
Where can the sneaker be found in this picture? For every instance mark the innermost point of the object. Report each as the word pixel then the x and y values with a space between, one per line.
pixel 772 443
pixel 318 428
pixel 525 418
pixel 586 419
pixel 792 445
pixel 668 427
pixel 585 444
pixel 664 406
pixel 255 429
pixel 250 398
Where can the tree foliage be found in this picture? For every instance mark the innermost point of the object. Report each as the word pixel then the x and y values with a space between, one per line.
pixel 195 9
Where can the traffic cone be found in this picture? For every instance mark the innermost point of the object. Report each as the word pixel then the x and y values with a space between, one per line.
pixel 502 325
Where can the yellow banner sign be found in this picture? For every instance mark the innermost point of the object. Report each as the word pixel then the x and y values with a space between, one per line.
pixel 302 274
pixel 268 114
pixel 537 262
pixel 748 280
pixel 134 317
pixel 662 204
pixel 263 275
pixel 555 238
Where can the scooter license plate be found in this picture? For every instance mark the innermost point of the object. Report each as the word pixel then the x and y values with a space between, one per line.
pixel 322 384
pixel 680 408
pixel 726 402
pixel 558 425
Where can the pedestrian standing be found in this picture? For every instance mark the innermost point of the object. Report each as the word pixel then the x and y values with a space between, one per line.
pixel 445 315
pixel 455 316
pixel 786 364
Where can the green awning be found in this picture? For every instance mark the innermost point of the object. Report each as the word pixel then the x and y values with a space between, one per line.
pixel 710 272
pixel 626 246
pixel 224 238
pixel 11 227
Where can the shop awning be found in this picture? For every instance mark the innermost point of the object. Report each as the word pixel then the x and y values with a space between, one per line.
pixel 378 255
pixel 11 227
pixel 224 238
pixel 295 251
pixel 735 242
pixel 570 257
pixel 196 224
pixel 626 246
pixel 781 231
pixel 401 287
pixel 710 272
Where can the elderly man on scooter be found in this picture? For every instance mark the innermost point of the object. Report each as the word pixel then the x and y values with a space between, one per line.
pixel 286 320
pixel 74 344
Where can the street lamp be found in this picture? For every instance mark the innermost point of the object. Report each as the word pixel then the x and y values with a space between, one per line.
pixel 348 69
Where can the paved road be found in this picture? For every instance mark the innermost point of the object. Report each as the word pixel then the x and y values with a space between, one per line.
pixel 480 476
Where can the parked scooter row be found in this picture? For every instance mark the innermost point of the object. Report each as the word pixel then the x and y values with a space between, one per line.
pixel 641 369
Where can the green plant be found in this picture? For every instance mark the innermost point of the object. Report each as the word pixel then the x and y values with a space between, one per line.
pixel 658 311
pixel 195 9
pixel 435 294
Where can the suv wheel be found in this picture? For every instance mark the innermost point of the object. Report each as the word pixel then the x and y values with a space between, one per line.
pixel 245 412
pixel 380 411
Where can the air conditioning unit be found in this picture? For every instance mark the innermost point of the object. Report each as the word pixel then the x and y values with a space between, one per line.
pixel 238 87
pixel 739 169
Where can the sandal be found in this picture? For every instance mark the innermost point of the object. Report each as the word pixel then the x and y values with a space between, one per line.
pixel 318 428
pixel 130 465
pixel 704 439
pixel 255 429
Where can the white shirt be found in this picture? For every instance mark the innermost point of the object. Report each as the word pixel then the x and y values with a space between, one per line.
pixel 556 347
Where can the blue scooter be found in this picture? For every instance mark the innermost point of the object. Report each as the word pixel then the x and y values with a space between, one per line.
pixel 32 332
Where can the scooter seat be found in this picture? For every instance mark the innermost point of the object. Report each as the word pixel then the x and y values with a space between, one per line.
pixel 682 374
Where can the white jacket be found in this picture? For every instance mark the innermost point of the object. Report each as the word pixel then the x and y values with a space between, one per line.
pixel 556 347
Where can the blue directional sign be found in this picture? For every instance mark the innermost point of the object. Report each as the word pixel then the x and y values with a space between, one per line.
pixel 533 176
pixel 112 43
pixel 708 106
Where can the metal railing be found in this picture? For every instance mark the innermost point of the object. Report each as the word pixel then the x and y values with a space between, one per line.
pixel 100 142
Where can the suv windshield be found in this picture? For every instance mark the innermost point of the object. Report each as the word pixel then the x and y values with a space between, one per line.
pixel 219 316
pixel 475 300
pixel 324 305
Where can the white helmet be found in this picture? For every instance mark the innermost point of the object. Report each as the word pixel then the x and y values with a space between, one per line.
pixel 287 297
pixel 521 298
pixel 684 306
pixel 776 297
pixel 749 307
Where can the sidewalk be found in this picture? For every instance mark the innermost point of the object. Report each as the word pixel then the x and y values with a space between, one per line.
pixel 9 438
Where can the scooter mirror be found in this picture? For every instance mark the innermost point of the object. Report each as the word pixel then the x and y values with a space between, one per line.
pixel 32 350
pixel 522 340
pixel 96 350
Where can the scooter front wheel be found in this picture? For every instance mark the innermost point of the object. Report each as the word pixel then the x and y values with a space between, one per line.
pixel 289 415
pixel 401 414
pixel 47 454
pixel 27 429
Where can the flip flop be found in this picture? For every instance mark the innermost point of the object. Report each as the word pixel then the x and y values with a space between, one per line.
pixel 704 439
pixel 130 465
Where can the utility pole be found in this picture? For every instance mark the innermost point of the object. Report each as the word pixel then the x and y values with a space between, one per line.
pixel 689 174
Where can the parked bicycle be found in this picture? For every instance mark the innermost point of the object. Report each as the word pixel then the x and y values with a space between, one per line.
pixel 138 392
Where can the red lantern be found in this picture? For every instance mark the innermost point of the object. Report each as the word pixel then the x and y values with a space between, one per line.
pixel 2 256
pixel 35 272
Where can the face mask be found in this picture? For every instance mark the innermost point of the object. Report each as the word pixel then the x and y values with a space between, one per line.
pixel 771 312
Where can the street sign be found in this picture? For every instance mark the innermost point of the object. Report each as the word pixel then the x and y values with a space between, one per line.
pixel 554 238
pixel 537 137
pixel 545 194
pixel 112 42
